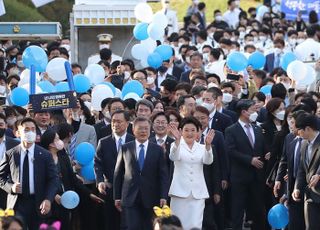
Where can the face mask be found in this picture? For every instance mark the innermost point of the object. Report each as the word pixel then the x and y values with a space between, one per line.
pixel 2 89
pixel 180 44
pixel 253 117
pixel 237 3
pixel 211 35
pixel 218 18
pixel 15 71
pixel 208 106
pixel 12 87
pixel 280 115
pixel 226 98
pixel 241 35
pixel 2 132
pixel 206 57
pixel 286 85
pixel 292 41
pixel 107 115
pixel 104 46
pixel 255 39
pixel 187 59
pixel 29 137
pixel 300 40
pixel 20 64
pixel 11 121
pixel 166 100
pixel 199 101
pixel 277 50
pixel 225 51
pixel 249 42
pixel 88 104
pixel 66 46
pixel 196 1
pixel 150 80
pixel 126 75
pixel 162 69
pixel 59 144
pixel 262 38
pixel 211 84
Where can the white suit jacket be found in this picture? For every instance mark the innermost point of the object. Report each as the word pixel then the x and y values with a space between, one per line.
pixel 188 177
pixel 173 26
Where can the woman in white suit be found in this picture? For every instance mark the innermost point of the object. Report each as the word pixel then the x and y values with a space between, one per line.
pixel 188 189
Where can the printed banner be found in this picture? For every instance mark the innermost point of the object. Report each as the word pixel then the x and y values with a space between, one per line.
pixel 292 7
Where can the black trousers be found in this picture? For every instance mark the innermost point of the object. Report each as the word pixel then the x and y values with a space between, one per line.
pixel 208 222
pixel 26 209
pixel 3 199
pixel 296 215
pixel 240 192
pixel 311 215
pixel 111 214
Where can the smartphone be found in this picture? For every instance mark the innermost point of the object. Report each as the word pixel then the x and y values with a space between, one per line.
pixel 2 100
pixel 233 77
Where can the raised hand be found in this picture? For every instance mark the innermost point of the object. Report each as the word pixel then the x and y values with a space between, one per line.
pixel 176 133
pixel 209 137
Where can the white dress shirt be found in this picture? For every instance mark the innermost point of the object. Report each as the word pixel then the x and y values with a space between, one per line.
pixel 2 147
pixel 232 17
pixel 245 130
pixel 161 78
pixel 211 115
pixel 138 148
pixel 163 138
pixel 123 138
pixel 31 166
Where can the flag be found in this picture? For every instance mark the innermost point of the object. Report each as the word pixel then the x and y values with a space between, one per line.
pixel 38 3
pixel 2 9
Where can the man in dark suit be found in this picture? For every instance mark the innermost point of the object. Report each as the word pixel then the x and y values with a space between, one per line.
pixel 246 149
pixel 140 177
pixel 6 143
pixel 218 121
pixel 196 60
pixel 43 123
pixel 289 165
pixel 309 170
pixel 273 60
pixel 29 176
pixel 105 162
pixel 101 126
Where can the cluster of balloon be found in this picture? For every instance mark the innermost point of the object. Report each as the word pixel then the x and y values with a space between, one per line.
pixel 84 154
pixel 148 31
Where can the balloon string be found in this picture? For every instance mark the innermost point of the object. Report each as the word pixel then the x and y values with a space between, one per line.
pixel 125 49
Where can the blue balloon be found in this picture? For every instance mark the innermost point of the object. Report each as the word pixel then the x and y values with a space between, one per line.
pixel 165 51
pixel 278 216
pixel 236 61
pixel 132 87
pixel 70 199
pixel 111 86
pixel 35 55
pixel 87 171
pixel 84 153
pixel 81 83
pixel 62 86
pixel 46 86
pixel 154 60
pixel 140 31
pixel 266 90
pixel 19 96
pixel 257 60
pixel 287 59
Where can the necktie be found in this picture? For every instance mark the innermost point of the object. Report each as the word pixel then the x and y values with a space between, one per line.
pixel 160 141
pixel 297 159
pixel 73 146
pixel 249 134
pixel 25 175
pixel 119 144
pixel 141 156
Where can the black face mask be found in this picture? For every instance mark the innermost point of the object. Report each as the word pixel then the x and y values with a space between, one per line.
pixel 2 132
pixel 166 100
pixel 12 87
pixel 162 69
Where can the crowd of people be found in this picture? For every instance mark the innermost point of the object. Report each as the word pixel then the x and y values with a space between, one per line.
pixel 202 139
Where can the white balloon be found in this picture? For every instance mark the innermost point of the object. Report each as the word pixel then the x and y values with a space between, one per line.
pixel 99 93
pixel 95 73
pixel 56 69
pixel 133 96
pixel 160 19
pixel 27 87
pixel 118 93
pixel 297 70
pixel 25 77
pixel 149 44
pixel 143 12
pixel 139 52
pixel 155 32
pixel 309 78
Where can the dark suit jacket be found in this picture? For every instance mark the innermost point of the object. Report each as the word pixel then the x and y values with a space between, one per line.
pixel 11 143
pixel 241 153
pixel 269 65
pixel 168 143
pixel 168 76
pixel 152 183
pixel 185 76
pixel 286 165
pixel 231 114
pixel 221 157
pixel 176 72
pixel 269 130
pixel 106 157
pixel 220 122
pixel 45 175
pixel 305 171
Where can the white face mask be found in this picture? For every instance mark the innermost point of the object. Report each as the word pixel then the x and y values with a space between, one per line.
pixel 226 98
pixel 262 38
pixel 206 57
pixel 218 18
pixel 208 106
pixel 225 51
pixel 66 46
pixel 253 117
pixel 199 101
pixel 280 115
pixel 107 115
pixel 20 64
pixel 241 35
pixel 300 40
pixel 249 42
pixel 188 60
pixel 88 104
pixel 103 46
pixel 180 44
pixel 211 35
pixel 2 89
pixel 59 144
pixel 286 85
pixel 150 80
pixel 292 41
pixel 255 39
pixel 126 75
pixel 211 84
pixel 29 137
